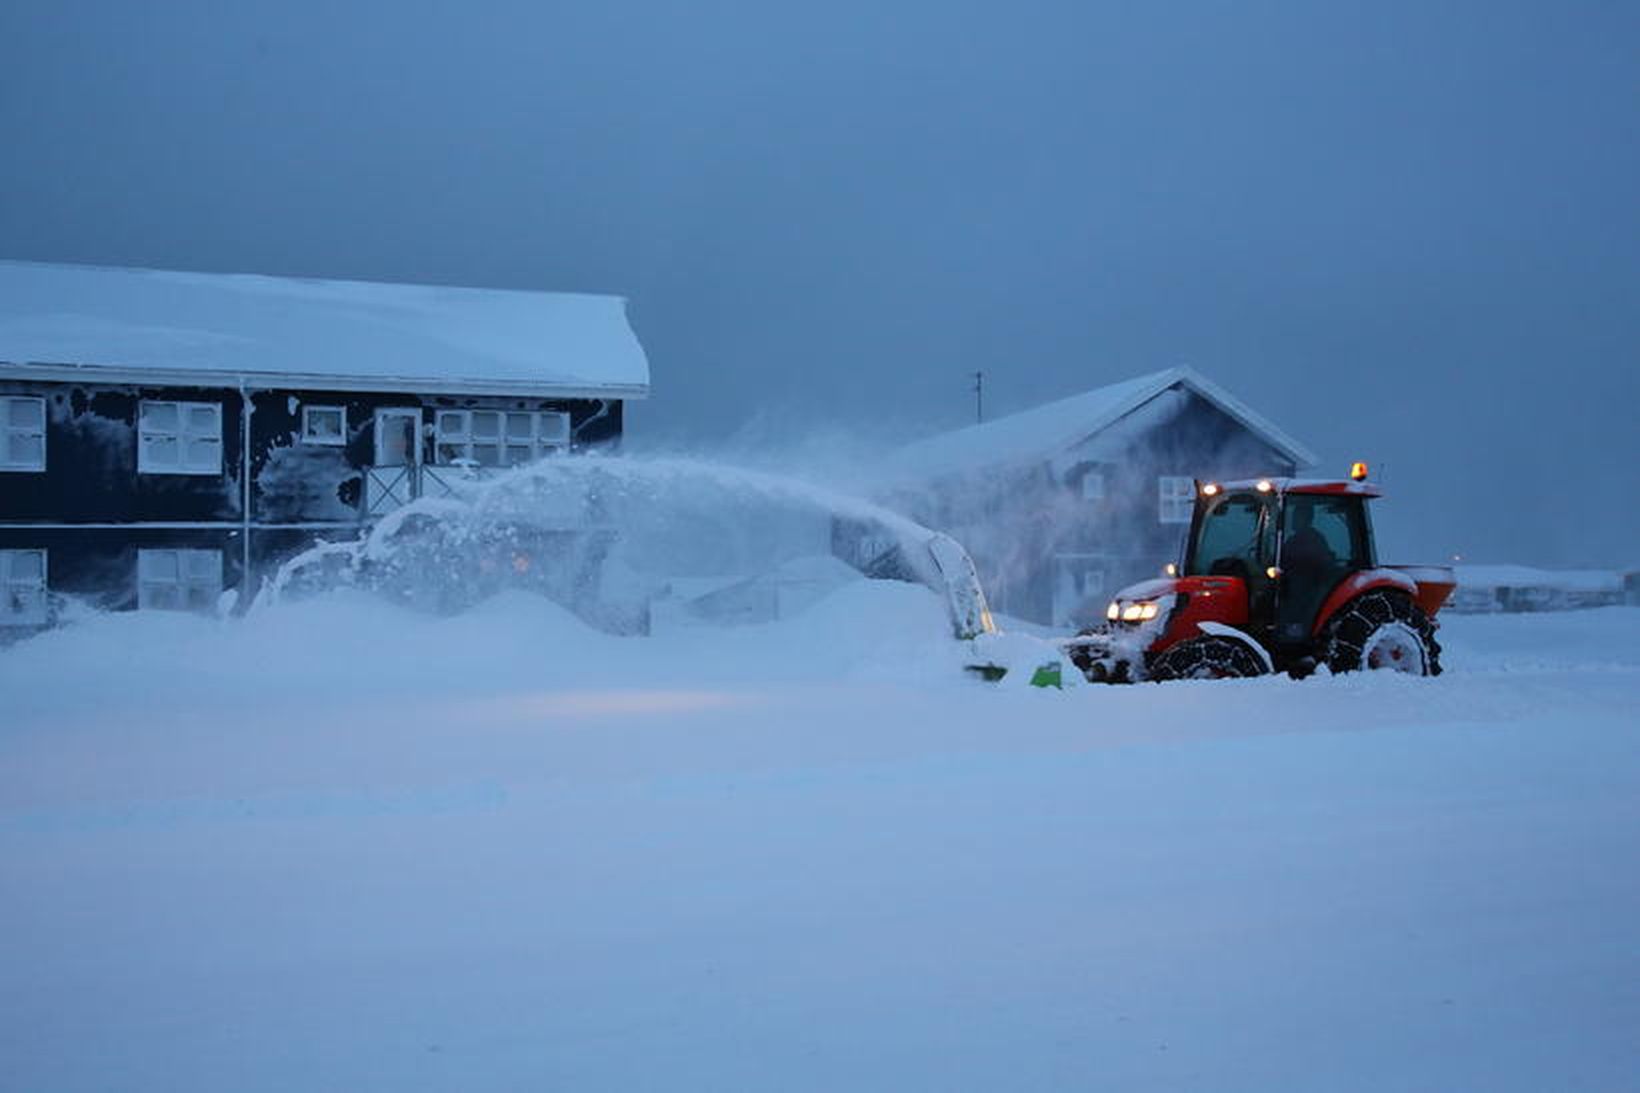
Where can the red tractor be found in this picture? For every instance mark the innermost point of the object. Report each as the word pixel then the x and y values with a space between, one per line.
pixel 1278 575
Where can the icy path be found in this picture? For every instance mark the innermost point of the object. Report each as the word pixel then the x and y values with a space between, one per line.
pixel 346 848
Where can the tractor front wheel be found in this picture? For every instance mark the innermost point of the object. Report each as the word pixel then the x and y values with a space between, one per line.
pixel 1383 630
pixel 1206 658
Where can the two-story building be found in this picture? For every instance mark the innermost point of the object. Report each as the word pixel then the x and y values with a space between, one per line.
pixel 167 437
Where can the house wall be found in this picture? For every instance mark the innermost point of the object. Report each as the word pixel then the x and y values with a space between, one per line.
pixel 1031 530
pixel 98 565
pixel 293 482
pixel 91 461
pixel 91 508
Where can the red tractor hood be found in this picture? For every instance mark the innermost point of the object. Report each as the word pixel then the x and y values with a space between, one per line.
pixel 1199 599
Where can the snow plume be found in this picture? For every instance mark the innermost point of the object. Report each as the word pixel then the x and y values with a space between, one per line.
pixel 611 538
pixel 784 440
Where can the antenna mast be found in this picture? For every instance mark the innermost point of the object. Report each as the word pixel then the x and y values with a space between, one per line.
pixel 979 397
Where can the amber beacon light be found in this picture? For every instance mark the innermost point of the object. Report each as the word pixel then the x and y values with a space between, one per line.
pixel 1358 471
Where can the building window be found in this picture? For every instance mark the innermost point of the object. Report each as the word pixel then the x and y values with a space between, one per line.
pixel 179 438
pixel 1093 484
pixel 22 588
pixel 1085 579
pixel 1176 498
pixel 1078 589
pixel 22 434
pixel 178 580
pixel 324 425
pixel 498 438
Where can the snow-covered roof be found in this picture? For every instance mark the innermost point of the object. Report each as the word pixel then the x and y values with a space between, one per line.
pixel 1044 431
pixel 155 326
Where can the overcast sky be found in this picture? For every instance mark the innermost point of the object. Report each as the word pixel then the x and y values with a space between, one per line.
pixel 1407 232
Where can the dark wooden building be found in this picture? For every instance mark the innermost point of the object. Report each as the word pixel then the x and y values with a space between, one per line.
pixel 1063 504
pixel 166 438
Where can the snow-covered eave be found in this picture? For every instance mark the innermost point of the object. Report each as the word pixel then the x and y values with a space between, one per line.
pixel 314 381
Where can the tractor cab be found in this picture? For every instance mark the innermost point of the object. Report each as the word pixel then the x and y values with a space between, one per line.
pixel 1277 575
pixel 1290 543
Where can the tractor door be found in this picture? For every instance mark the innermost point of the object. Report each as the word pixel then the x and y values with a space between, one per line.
pixel 1324 538
pixel 1234 536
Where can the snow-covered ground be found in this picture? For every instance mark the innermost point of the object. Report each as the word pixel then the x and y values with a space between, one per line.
pixel 342 846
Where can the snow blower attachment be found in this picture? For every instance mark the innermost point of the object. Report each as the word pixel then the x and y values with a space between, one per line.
pixel 964 597
pixel 1277 575
pixel 971 621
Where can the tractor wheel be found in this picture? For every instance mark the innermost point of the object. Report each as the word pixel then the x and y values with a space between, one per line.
pixel 1382 630
pixel 1079 656
pixel 1206 658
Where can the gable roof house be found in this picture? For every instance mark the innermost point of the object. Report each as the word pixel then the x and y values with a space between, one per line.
pixel 1063 504
pixel 167 436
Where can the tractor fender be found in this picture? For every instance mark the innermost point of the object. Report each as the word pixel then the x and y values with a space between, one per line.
pixel 1355 584
pixel 1230 633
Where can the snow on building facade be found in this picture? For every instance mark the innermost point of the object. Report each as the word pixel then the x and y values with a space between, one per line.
pixel 1063 504
pixel 167 436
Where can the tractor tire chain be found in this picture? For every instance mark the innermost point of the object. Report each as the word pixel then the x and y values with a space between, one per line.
pixel 1206 658
pixel 1352 628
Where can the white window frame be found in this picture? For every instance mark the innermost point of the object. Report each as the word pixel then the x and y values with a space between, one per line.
pixel 23 599
pixel 310 437
pixel 190 570
pixel 149 436
pixel 10 433
pixel 1175 499
pixel 1080 567
pixel 456 442
pixel 1072 594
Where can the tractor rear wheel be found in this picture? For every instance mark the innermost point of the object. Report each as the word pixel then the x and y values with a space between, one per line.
pixel 1382 629
pixel 1206 658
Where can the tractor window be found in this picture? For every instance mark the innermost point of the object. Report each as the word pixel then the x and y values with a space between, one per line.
pixel 1324 532
pixel 1227 539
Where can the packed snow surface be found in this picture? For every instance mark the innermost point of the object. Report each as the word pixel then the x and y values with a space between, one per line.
pixel 320 332
pixel 341 846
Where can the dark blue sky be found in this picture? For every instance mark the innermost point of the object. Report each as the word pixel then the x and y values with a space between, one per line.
pixel 1405 231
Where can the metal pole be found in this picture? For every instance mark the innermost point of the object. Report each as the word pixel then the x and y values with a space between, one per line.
pixel 979 397
pixel 246 409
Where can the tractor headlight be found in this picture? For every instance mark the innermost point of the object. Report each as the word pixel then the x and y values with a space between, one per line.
pixel 1134 610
